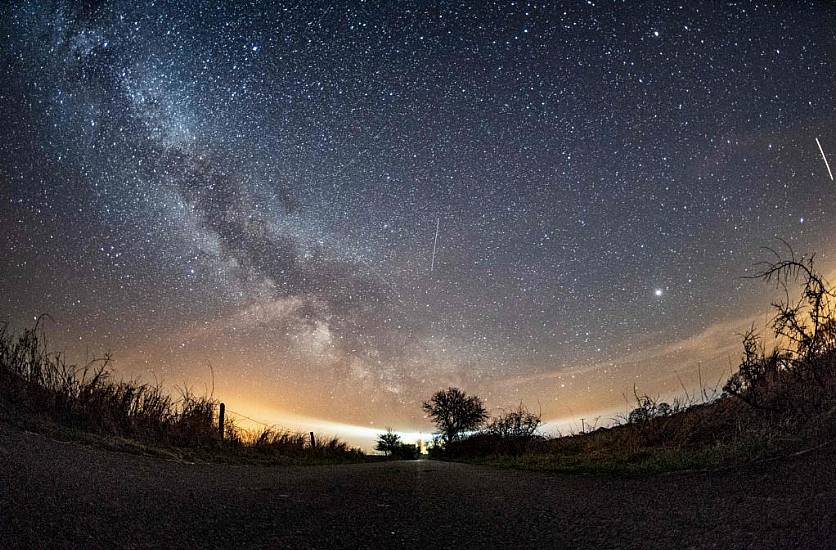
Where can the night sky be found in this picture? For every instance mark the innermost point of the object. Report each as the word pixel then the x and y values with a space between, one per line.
pixel 258 187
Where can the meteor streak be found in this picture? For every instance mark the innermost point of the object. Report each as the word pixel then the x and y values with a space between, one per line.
pixel 824 158
pixel 435 241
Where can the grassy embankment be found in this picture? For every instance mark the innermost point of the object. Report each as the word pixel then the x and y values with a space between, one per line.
pixel 41 391
pixel 710 436
pixel 782 400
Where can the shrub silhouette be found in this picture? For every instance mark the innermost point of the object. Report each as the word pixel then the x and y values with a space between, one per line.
pixel 519 423
pixel 509 433
pixel 649 409
pixel 797 375
pixel 405 451
pixel 388 442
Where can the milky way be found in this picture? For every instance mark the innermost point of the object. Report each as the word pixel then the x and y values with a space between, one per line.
pixel 258 187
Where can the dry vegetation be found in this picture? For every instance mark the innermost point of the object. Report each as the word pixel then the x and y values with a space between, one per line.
pixel 41 389
pixel 781 400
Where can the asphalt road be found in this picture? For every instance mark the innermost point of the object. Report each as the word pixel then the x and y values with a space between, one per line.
pixel 55 494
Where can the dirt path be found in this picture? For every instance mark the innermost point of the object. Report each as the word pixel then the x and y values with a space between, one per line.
pixel 56 494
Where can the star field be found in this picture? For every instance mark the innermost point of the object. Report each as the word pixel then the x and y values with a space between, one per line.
pixel 258 185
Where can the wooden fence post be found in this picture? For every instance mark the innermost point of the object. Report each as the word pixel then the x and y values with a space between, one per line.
pixel 221 411
pixel 313 440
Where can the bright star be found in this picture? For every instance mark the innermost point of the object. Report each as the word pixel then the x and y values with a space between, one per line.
pixel 658 292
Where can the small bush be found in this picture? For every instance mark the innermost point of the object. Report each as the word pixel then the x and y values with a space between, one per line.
pixel 509 433
pixel 406 451
pixel 516 424
pixel 388 442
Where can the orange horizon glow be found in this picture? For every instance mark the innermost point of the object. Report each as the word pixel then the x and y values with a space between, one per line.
pixel 664 371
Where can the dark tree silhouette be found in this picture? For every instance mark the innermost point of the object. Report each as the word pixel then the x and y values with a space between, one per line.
pixel 455 412
pixel 388 442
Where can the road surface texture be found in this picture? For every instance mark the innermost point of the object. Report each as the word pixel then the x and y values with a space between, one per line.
pixel 55 494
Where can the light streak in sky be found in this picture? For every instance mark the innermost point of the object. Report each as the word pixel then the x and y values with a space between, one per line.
pixel 435 242
pixel 824 158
